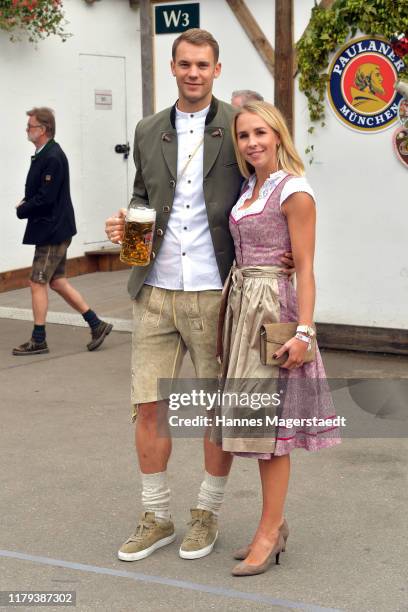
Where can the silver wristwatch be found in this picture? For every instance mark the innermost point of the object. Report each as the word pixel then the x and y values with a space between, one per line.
pixel 306 329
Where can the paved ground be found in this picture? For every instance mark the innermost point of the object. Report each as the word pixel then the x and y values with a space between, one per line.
pixel 69 489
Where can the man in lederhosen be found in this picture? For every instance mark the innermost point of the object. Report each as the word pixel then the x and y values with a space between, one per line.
pixel 47 206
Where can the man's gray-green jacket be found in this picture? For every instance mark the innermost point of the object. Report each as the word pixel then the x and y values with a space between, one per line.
pixel 155 155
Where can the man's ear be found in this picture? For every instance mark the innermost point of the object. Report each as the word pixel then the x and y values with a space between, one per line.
pixel 173 67
pixel 217 70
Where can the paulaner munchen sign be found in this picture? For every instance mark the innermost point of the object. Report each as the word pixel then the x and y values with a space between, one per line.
pixel 361 84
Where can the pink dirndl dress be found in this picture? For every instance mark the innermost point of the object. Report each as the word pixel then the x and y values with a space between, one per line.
pixel 258 292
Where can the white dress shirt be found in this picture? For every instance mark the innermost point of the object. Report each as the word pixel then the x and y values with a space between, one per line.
pixel 186 260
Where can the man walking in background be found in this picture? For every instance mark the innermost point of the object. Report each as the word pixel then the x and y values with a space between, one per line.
pixel 50 218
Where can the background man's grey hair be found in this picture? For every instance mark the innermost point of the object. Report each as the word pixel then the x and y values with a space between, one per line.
pixel 242 96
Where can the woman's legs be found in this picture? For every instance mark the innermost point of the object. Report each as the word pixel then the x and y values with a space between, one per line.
pixel 274 474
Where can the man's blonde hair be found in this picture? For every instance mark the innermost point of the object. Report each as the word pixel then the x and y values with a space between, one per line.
pixel 288 158
pixel 199 37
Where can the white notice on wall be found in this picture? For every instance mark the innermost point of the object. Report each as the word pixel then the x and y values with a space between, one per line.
pixel 103 99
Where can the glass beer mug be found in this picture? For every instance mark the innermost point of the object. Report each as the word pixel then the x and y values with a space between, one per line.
pixel 138 236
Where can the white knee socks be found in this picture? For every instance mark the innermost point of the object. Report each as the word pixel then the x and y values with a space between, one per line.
pixel 156 495
pixel 211 494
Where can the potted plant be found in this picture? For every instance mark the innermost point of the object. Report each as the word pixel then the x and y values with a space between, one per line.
pixel 36 19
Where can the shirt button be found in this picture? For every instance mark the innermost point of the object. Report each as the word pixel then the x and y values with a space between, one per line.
pixel 188 181
pixel 187 205
pixel 191 131
pixel 166 208
pixel 172 183
pixel 191 115
pixel 159 232
pixel 183 254
pixel 185 228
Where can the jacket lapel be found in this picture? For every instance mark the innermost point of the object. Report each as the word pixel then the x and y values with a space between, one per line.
pixel 213 139
pixel 169 149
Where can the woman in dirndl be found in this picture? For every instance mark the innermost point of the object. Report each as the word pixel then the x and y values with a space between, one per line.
pixel 275 214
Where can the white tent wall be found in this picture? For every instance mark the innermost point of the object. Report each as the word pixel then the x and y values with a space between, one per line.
pixel 242 67
pixel 361 253
pixel 50 75
pixel 361 256
pixel 362 206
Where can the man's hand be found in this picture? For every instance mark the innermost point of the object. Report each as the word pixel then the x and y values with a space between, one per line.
pixel 289 264
pixel 115 226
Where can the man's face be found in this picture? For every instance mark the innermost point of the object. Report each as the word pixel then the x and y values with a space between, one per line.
pixel 376 81
pixel 34 130
pixel 195 70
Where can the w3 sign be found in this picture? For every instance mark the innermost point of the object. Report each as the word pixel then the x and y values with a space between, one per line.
pixel 172 18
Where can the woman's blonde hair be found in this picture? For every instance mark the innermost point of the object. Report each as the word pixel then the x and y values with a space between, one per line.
pixel 287 157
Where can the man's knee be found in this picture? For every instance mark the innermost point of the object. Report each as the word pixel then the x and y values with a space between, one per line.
pixel 57 284
pixel 149 413
pixel 37 287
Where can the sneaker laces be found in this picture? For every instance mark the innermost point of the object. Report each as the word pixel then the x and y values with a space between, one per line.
pixel 197 533
pixel 142 528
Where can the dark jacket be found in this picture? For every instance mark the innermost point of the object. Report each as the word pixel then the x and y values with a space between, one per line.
pixel 155 155
pixel 47 202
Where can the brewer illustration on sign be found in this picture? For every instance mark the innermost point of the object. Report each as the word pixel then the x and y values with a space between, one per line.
pixel 361 84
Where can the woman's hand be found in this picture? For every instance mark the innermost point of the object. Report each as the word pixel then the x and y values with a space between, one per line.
pixel 115 227
pixel 297 350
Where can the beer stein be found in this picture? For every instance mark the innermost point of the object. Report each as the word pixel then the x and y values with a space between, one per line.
pixel 138 236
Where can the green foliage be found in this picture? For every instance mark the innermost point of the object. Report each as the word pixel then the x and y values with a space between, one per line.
pixel 35 18
pixel 330 28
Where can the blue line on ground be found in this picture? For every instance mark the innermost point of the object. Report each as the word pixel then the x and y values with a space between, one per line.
pixel 181 584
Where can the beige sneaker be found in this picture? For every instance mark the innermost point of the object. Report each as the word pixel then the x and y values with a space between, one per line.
pixel 148 537
pixel 200 539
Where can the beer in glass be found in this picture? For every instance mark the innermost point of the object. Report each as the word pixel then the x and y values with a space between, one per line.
pixel 138 237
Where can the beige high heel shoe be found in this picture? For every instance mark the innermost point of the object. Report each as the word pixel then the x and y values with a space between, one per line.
pixel 244 569
pixel 243 552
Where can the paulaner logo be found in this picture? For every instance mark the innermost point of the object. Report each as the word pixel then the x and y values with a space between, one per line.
pixel 361 84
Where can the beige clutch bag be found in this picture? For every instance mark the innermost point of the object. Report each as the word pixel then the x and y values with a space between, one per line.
pixel 274 336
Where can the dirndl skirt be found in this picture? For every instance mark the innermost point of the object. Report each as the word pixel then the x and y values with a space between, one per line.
pixel 266 410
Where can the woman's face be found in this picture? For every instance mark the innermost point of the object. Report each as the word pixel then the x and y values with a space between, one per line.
pixel 257 142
